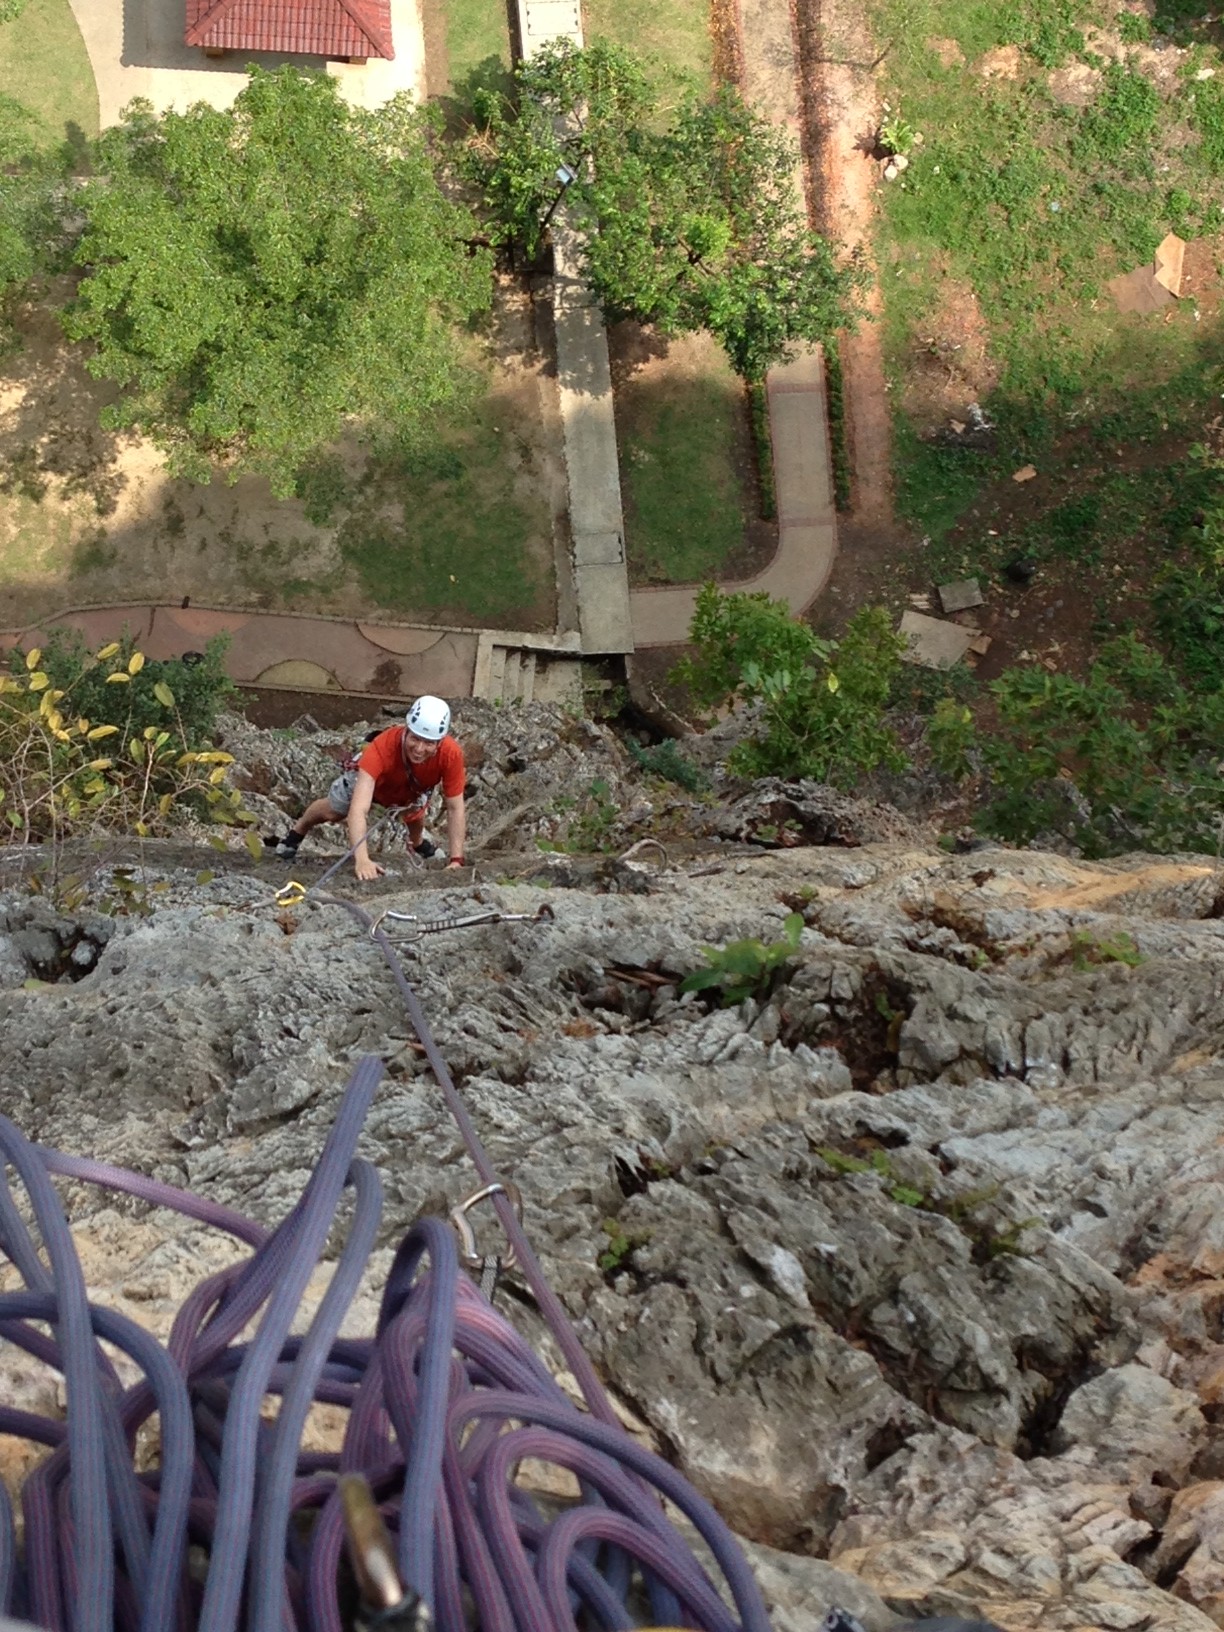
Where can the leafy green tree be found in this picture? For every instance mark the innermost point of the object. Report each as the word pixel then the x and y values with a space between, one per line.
pixel 31 202
pixel 258 274
pixel 695 225
pixel 820 704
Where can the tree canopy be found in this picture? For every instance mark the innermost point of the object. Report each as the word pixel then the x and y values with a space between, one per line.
pixel 257 274
pixel 31 201
pixel 698 224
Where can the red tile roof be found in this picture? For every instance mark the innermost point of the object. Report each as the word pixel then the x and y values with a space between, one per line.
pixel 321 28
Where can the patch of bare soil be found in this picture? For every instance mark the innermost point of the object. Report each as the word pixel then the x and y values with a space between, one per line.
pixel 1160 61
pixel 949 363
pixel 948 51
pixel 1004 62
pixel 1075 86
pixel 841 121
pixel 90 517
pixel 1201 274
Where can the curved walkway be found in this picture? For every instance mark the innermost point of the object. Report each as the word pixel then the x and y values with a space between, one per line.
pixel 798 412
pixel 281 648
pixel 807 527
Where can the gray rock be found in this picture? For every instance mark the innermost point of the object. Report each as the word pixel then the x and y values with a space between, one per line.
pixel 918 1250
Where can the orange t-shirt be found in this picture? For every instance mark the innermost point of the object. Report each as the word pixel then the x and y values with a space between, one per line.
pixel 396 783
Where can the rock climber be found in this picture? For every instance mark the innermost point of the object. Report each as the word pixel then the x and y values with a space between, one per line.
pixel 399 767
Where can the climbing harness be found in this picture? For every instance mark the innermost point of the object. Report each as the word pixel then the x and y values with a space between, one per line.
pixel 414 928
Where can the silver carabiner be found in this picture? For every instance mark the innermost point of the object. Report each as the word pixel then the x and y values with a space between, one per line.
pixel 468 1255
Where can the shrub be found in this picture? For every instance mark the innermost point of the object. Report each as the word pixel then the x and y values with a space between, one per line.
pixel 200 689
pixel 821 703
pixel 65 771
pixel 667 760
pixel 1124 759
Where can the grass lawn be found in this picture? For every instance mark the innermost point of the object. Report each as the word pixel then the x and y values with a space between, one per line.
pixel 457 530
pixel 469 33
pixel 680 429
pixel 43 66
pixel 1062 140
pixel 675 32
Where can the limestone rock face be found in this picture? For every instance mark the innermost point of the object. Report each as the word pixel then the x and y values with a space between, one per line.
pixel 913 1260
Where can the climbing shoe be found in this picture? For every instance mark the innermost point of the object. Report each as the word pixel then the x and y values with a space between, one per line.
pixel 425 849
pixel 288 846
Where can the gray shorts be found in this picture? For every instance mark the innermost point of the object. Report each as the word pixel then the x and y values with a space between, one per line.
pixel 340 795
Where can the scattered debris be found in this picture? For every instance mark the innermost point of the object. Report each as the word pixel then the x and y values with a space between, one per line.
pixel 981 645
pixel 921 601
pixel 1020 569
pixel 1170 258
pixel 935 643
pixel 961 595
pixel 1154 286
pixel 1024 474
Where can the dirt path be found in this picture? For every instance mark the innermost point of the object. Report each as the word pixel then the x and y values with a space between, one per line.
pixel 841 116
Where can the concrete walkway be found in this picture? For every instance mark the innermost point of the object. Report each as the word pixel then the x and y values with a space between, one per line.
pixel 807 532
pixel 584 380
pixel 798 414
pixel 136 49
pixel 266 648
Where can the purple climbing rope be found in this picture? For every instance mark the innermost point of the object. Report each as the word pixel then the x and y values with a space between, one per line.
pixel 444 1403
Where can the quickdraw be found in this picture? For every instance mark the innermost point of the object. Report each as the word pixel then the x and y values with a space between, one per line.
pixel 414 928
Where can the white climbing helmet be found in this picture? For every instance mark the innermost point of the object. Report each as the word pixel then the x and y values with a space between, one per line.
pixel 429 717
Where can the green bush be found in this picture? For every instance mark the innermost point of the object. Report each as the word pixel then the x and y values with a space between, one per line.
pixel 1125 759
pixel 200 690
pixel 64 772
pixel 668 760
pixel 821 703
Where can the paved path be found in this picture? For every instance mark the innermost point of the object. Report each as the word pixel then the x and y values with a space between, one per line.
pixel 136 49
pixel 798 416
pixel 584 381
pixel 267 647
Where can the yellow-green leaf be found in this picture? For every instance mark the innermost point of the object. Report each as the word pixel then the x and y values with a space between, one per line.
pixel 142 829
pixel 217 776
pixel 832 681
pixel 136 662
pixel 164 803
pixel 99 765
pixel 118 678
pixel 150 731
pixel 204 876
pixel 107 651
pixel 33 657
pixel 39 681
pixel 100 731
pixel 136 750
pixel 83 727
pixel 55 721
pixel 163 694
pixel 217 842
pixel 254 845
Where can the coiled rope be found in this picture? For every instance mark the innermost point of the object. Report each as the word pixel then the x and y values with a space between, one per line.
pixel 236 1526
